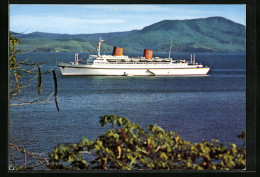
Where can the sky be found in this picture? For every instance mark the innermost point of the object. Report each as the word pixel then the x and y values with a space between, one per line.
pixel 89 19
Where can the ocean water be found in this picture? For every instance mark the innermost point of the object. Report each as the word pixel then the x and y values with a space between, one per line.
pixel 196 107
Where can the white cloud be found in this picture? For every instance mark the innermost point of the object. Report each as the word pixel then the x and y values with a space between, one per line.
pixel 184 9
pixel 59 24
pixel 132 7
pixel 49 21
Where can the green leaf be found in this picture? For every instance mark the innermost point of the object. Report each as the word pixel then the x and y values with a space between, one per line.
pixel 163 156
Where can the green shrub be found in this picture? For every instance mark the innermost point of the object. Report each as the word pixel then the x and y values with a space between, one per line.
pixel 130 147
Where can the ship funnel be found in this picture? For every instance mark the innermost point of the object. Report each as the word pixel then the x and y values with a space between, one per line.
pixel 117 51
pixel 148 54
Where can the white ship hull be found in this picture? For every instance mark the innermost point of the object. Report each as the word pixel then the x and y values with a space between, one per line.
pixel 120 65
pixel 167 70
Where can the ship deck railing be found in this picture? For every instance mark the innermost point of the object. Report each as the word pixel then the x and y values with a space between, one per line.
pixel 134 63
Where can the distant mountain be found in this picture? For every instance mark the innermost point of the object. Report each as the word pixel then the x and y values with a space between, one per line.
pixel 213 34
pixel 56 36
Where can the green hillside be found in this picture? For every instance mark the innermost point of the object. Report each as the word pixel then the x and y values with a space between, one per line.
pixel 213 34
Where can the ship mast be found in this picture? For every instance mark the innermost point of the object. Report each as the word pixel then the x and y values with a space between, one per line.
pixel 170 49
pixel 99 46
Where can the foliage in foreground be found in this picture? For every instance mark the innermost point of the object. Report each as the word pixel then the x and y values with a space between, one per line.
pixel 130 147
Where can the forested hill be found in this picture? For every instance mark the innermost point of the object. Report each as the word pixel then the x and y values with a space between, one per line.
pixel 213 34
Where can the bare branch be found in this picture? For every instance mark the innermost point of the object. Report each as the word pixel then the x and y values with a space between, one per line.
pixel 27 51
pixel 40 100
pixel 36 156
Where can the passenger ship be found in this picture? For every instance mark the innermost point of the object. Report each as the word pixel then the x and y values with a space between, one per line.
pixel 118 64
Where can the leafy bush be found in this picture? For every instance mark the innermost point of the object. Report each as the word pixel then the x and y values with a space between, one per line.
pixel 130 147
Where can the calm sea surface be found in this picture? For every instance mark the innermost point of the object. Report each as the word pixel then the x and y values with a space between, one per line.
pixel 197 108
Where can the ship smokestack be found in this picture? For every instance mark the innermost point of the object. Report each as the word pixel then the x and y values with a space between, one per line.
pixel 148 54
pixel 117 51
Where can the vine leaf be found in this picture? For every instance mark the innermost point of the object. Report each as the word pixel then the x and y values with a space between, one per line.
pixel 39 80
pixel 56 89
pixel 17 83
